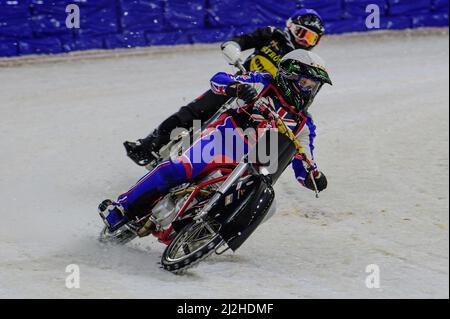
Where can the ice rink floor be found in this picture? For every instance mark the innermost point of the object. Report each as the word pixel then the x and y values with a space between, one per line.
pixel 383 134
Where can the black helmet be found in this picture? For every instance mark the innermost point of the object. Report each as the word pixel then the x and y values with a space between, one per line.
pixel 301 75
pixel 306 27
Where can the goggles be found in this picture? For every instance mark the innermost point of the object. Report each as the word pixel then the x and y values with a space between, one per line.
pixel 303 35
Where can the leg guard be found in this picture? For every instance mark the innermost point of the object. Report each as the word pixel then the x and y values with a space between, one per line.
pixel 139 199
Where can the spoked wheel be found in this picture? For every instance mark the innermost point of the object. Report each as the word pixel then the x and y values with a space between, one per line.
pixel 121 236
pixel 192 244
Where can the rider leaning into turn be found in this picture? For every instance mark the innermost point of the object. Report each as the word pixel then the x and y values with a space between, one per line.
pixel 301 75
pixel 304 30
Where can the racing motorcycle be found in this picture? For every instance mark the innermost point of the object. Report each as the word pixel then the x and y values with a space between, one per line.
pixel 221 209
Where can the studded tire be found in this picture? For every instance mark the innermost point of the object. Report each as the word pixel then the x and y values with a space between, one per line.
pixel 193 250
pixel 119 237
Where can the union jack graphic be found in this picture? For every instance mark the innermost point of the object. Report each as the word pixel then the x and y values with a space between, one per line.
pixel 218 88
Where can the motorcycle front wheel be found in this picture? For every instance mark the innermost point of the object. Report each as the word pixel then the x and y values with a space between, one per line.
pixel 121 236
pixel 192 244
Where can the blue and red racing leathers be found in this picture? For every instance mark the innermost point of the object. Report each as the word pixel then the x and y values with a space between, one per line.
pixel 212 150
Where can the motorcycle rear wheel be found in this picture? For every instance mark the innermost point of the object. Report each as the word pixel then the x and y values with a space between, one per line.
pixel 192 244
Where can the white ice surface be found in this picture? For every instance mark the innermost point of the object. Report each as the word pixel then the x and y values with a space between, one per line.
pixel 383 133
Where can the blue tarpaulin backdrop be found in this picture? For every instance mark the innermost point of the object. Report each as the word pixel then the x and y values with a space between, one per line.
pixel 39 26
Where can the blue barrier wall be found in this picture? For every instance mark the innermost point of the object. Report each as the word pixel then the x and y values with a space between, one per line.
pixel 39 26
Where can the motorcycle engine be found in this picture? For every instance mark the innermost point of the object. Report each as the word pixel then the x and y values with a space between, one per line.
pixel 166 210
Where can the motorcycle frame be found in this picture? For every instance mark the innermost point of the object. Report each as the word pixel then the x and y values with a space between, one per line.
pixel 229 179
pixel 164 236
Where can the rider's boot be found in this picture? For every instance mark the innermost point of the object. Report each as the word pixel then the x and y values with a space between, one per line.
pixel 145 150
pixel 113 215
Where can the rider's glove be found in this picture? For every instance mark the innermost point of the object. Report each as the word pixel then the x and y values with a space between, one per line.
pixel 320 179
pixel 231 52
pixel 245 92
pixel 262 106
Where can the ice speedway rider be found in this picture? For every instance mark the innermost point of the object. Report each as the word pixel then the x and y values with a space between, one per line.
pixel 304 30
pixel 301 74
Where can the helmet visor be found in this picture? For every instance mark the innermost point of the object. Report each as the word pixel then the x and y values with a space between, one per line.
pixel 308 86
pixel 305 88
pixel 303 85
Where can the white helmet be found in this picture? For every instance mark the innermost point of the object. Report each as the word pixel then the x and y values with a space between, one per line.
pixel 301 75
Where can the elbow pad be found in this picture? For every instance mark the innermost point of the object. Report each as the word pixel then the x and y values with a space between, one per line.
pixel 232 52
